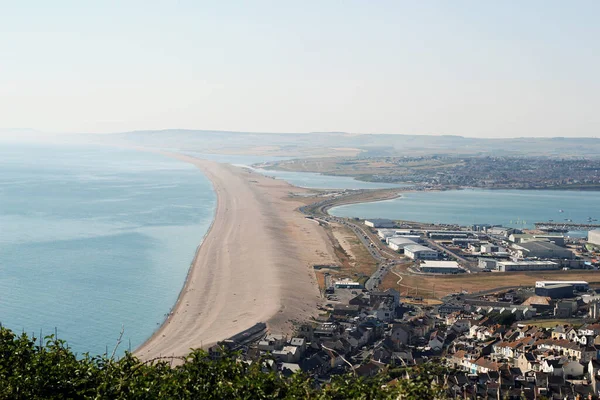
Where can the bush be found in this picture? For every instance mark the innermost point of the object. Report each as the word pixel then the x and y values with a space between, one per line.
pixel 51 371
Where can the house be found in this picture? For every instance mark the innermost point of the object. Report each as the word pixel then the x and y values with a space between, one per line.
pixel 300 343
pixel 345 310
pixel 368 369
pixel 573 369
pixel 288 354
pixel 589 330
pixel 527 362
pixel 552 367
pixel 560 331
pixel 436 341
pixel 272 342
pixel 483 364
pixel 400 334
pixel 461 325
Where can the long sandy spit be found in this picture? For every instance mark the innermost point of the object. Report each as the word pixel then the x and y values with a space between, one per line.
pixel 254 265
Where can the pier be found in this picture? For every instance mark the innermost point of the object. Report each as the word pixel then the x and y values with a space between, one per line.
pixel 567 225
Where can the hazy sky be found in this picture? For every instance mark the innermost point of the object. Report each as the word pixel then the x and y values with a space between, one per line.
pixel 471 68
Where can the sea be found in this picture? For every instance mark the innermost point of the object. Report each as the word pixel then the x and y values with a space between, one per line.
pixel 511 208
pixel 95 240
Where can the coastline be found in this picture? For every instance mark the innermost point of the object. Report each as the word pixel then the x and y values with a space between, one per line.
pixel 253 265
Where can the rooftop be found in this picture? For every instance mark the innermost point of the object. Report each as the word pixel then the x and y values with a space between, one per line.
pixel 440 264
pixel 417 247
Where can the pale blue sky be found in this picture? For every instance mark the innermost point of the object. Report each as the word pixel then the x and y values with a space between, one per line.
pixel 471 68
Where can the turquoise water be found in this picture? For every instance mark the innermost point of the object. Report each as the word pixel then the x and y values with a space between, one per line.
pixel 516 208
pixel 92 239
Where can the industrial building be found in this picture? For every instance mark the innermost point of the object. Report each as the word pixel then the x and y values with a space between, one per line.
pixel 541 249
pixel 581 286
pixel 380 223
pixel 418 252
pixel 399 243
pixel 414 238
pixel 559 291
pixel 447 236
pixel 558 240
pixel 440 267
pixel 386 233
pixel 433 233
pixel 487 263
pixel 489 248
pixel 389 233
pixel 506 266
pixel 464 242
pixel 501 231
pixel 594 237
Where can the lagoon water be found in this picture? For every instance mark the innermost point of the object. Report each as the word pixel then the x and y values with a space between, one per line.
pixel 318 181
pixel 92 239
pixel 301 179
pixel 515 208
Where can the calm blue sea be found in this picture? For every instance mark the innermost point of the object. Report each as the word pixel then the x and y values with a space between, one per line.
pixel 92 239
pixel 515 208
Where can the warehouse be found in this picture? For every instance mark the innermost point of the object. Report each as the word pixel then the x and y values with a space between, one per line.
pixel 380 223
pixel 558 240
pixel 594 237
pixel 386 233
pixel 440 267
pixel 399 243
pixel 542 250
pixel 447 236
pixel 418 252
pixel 414 238
pixel 506 266
pixel 559 291
pixel 581 286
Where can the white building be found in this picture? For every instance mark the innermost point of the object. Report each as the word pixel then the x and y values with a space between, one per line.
pixel 414 238
pixel 440 267
pixel 506 266
pixel 386 233
pixel 347 284
pixel 380 223
pixel 418 252
pixel 399 243
pixel 594 237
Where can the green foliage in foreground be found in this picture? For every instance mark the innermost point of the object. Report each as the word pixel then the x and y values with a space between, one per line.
pixel 52 371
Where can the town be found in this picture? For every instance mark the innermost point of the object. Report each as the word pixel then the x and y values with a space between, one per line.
pixel 497 172
pixel 503 338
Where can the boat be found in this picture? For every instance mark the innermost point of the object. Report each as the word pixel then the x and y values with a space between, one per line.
pixel 561 210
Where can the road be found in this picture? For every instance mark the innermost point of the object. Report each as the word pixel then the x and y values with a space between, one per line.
pixel 468 265
pixel 384 257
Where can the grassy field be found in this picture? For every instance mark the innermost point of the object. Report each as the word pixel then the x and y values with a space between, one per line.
pixel 354 257
pixel 439 286
pixel 551 323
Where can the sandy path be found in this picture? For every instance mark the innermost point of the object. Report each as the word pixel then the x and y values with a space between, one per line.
pixel 253 266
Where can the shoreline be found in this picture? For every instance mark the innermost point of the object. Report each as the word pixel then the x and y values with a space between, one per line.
pixel 253 265
pixel 186 282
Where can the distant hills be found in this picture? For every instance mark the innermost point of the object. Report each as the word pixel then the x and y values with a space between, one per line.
pixel 346 144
